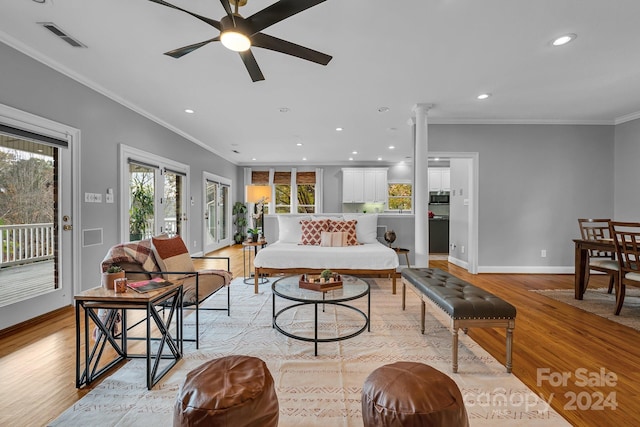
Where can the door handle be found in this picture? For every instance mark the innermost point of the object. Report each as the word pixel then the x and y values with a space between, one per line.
pixel 67 227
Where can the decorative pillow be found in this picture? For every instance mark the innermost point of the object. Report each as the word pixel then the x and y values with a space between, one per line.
pixel 348 227
pixel 366 228
pixel 289 229
pixel 312 231
pixel 333 239
pixel 172 255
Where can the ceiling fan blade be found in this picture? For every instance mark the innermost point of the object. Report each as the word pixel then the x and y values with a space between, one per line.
pixel 227 8
pixel 212 22
pixel 278 12
pixel 273 43
pixel 182 51
pixel 252 65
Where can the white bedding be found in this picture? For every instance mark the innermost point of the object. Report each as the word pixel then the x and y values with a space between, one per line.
pixel 370 256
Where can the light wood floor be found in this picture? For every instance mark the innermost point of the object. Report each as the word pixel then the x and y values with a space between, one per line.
pixel 37 361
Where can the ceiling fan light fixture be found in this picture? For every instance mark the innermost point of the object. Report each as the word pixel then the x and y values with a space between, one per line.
pixel 236 41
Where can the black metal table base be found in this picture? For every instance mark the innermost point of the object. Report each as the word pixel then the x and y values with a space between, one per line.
pixel 118 342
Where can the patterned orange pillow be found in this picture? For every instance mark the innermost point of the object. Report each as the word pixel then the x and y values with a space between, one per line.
pixel 348 227
pixel 312 231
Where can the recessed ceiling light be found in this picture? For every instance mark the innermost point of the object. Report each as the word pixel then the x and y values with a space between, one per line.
pixel 354 152
pixel 383 109
pixel 189 111
pixel 299 144
pixel 437 159
pixel 253 158
pixel 484 95
pixel 562 40
pixel 351 158
pixel 304 158
pixel 392 147
pixel 379 158
pixel 339 129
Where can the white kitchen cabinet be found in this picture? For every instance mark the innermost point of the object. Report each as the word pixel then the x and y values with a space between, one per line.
pixel 352 186
pixel 446 179
pixel 364 185
pixel 439 179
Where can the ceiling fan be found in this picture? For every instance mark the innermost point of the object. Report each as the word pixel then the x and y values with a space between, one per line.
pixel 240 34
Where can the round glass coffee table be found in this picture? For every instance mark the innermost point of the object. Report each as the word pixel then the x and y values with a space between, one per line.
pixel 288 288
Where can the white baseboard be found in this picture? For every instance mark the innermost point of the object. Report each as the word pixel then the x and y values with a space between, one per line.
pixel 539 269
pixel 458 262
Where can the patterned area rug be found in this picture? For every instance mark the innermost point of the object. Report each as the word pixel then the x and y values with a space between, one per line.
pixel 598 301
pixel 323 390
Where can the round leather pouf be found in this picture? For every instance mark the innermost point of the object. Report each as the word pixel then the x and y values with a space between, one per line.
pixel 232 391
pixel 411 394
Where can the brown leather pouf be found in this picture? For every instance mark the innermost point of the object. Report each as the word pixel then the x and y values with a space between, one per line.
pixel 411 394
pixel 233 391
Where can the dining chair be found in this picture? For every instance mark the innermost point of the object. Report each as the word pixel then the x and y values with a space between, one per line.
pixel 602 261
pixel 626 236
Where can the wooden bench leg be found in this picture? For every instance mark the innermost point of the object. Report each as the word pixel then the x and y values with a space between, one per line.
pixel 393 283
pixel 509 345
pixel 454 350
pixel 423 309
pixel 404 295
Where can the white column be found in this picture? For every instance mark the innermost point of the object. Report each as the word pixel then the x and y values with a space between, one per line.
pixel 421 184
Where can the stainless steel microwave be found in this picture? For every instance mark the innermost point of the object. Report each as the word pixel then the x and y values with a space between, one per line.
pixel 439 199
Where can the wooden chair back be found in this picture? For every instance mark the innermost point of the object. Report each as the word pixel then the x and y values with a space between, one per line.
pixel 596 229
pixel 626 236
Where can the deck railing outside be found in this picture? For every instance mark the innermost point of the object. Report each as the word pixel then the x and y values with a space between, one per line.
pixel 25 243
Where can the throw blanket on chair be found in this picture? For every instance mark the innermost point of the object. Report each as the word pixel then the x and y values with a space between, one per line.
pixel 131 252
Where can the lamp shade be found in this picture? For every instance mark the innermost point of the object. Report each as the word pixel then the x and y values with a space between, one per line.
pixel 256 192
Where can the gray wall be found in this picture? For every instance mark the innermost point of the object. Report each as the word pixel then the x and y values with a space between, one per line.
pixel 28 85
pixel 627 158
pixel 535 181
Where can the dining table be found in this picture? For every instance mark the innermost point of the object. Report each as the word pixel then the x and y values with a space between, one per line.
pixel 582 248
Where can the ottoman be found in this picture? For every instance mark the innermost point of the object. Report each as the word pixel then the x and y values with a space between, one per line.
pixel 411 394
pixel 232 391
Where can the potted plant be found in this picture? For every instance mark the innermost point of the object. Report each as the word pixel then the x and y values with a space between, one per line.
pixel 108 277
pixel 240 221
pixel 141 210
pixel 252 234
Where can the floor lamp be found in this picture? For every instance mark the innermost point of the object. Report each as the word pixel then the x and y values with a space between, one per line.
pixel 256 194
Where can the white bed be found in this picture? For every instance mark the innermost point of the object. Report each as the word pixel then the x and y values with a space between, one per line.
pixel 287 256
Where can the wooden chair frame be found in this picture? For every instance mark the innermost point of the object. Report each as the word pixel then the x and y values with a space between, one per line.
pixel 626 236
pixel 598 229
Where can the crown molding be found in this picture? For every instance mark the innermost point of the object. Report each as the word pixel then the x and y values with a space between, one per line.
pixel 627 118
pixel 462 121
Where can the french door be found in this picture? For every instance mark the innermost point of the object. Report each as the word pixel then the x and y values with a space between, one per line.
pixel 216 224
pixel 155 191
pixel 37 216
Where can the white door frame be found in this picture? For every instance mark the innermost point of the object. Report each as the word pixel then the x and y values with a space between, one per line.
pixel 207 176
pixel 69 198
pixel 474 191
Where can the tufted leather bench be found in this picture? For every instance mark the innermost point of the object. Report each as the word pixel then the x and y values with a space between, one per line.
pixel 467 305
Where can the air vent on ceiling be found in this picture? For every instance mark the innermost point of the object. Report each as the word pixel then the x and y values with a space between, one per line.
pixel 58 32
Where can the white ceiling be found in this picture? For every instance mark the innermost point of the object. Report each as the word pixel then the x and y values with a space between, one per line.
pixel 393 54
